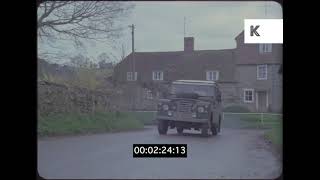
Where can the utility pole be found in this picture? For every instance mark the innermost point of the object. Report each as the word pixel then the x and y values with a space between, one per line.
pixel 132 33
pixel 133 60
pixel 132 39
pixel 265 9
pixel 184 26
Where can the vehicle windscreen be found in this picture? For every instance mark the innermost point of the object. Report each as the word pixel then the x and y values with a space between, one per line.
pixel 201 90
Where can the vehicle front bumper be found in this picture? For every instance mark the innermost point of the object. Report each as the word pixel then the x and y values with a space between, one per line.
pixel 182 117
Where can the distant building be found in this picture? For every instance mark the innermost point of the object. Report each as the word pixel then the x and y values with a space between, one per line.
pixel 248 74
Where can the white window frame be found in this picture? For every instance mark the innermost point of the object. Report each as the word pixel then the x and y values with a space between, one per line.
pixel 244 95
pixel 208 76
pixel 265 48
pixel 155 75
pixel 266 69
pixel 130 76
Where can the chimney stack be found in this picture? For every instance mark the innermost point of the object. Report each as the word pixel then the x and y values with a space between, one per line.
pixel 188 43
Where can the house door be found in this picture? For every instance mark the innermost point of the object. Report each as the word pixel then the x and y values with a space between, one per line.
pixel 262 101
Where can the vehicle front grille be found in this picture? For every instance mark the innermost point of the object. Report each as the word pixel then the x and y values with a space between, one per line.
pixel 184 106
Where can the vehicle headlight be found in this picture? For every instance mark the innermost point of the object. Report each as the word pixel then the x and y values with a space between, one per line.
pixel 200 109
pixel 165 107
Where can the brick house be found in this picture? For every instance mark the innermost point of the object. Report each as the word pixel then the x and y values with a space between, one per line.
pixel 257 71
pixel 248 75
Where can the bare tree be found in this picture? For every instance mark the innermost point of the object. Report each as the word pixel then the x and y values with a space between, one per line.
pixel 103 60
pixel 77 21
pixel 103 57
pixel 78 60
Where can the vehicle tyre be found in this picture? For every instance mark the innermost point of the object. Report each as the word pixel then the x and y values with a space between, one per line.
pixel 219 129
pixel 214 129
pixel 162 127
pixel 180 130
pixel 204 132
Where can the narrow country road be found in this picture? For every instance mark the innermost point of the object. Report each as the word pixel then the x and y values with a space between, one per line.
pixel 234 153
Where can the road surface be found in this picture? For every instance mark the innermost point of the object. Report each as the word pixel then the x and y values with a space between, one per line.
pixel 234 153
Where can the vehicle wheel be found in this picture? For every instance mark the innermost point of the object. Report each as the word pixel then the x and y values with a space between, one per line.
pixel 162 127
pixel 219 123
pixel 204 132
pixel 179 130
pixel 214 129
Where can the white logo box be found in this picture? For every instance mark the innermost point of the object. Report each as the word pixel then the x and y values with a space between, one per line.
pixel 270 31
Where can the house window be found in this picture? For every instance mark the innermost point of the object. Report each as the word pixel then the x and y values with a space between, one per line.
pixel 212 75
pixel 157 75
pixel 262 72
pixel 130 76
pixel 265 48
pixel 248 95
pixel 149 94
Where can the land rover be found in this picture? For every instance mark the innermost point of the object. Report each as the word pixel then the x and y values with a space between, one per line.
pixel 191 104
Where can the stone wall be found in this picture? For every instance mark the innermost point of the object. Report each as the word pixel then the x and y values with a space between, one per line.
pixel 132 97
pixel 57 98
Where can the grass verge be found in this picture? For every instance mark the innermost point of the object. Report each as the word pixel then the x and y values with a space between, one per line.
pixel 74 123
pixel 275 135
pixel 254 120
pixel 272 122
pixel 147 118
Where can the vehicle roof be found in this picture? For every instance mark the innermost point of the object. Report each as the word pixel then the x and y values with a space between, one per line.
pixel 194 82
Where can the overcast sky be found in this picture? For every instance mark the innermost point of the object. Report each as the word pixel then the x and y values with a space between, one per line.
pixel 159 26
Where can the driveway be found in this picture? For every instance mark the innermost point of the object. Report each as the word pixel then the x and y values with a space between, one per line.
pixel 234 153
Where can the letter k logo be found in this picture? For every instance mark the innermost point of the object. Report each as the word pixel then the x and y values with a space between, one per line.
pixel 253 30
